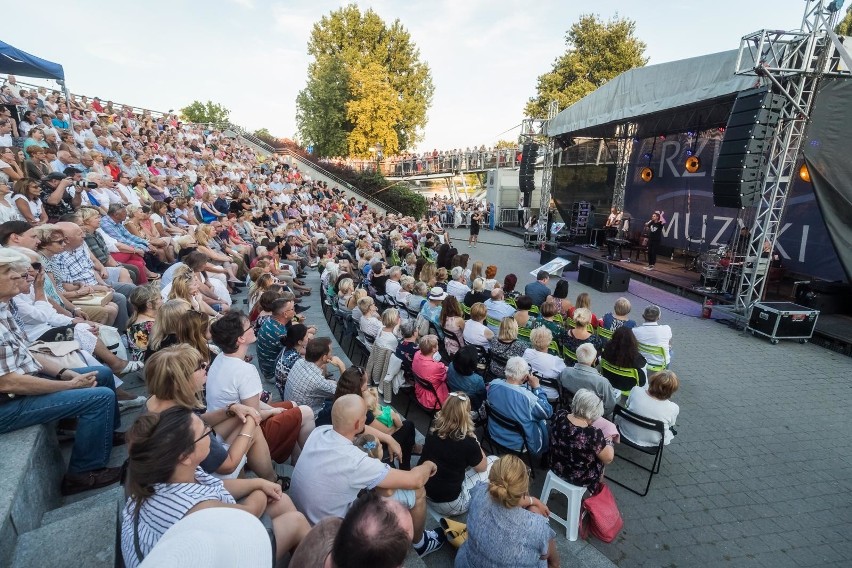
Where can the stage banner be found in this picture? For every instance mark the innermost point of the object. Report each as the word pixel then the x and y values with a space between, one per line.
pixel 694 223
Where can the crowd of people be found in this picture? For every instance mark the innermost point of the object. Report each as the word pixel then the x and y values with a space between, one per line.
pixel 124 240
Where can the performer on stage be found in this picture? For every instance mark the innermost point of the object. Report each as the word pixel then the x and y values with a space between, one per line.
pixel 614 219
pixel 655 234
pixel 521 210
pixel 474 229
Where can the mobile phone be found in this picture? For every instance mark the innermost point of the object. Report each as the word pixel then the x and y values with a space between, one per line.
pixel 36 266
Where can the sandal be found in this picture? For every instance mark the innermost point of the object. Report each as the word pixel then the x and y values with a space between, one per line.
pixel 131 367
pixel 154 277
pixel 284 482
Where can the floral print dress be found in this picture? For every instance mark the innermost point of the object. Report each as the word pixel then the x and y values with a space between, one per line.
pixel 137 339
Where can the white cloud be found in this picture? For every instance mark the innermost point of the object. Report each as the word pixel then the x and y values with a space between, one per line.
pixel 244 3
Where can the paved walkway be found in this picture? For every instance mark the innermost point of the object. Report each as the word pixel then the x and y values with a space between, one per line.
pixel 760 473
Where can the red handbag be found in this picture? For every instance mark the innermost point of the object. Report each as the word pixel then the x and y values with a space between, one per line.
pixel 601 516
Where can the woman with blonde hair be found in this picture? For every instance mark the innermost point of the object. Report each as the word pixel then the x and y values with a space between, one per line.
pixel 573 338
pixel 451 443
pixel 507 527
pixel 185 287
pixel 214 253
pixel 505 345
pixel 176 376
pixel 584 300
pixel 168 316
pixel 428 274
pixel 345 295
pixel 476 270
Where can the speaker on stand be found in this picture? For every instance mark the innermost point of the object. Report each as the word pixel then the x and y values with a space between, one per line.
pixel 750 128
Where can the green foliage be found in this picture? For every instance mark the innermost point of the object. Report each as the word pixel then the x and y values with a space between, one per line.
pixel 844 27
pixel 373 111
pixel 321 107
pixel 597 52
pixel 267 137
pixel 396 196
pixel 200 112
pixel 366 53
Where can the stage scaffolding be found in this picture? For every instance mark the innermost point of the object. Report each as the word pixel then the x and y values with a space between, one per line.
pixel 535 130
pixel 791 64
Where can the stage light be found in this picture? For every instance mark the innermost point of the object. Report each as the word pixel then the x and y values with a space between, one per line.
pixel 647 155
pixel 690 133
pixel 722 129
pixel 647 174
pixel 636 140
pixel 693 163
pixel 689 152
pixel 804 173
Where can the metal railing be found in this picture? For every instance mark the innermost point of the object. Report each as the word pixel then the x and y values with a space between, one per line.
pixel 338 180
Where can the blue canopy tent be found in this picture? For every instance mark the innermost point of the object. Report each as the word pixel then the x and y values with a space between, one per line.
pixel 13 61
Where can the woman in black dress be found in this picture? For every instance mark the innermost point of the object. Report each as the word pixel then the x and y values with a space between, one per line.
pixel 474 229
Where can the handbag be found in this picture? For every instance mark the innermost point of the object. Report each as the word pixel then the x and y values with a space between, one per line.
pixel 65 354
pixel 455 531
pixel 601 516
pixel 110 337
pixel 94 299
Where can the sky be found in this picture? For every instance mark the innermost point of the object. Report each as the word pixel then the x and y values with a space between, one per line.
pixel 251 55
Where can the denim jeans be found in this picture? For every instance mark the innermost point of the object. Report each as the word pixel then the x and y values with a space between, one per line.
pixel 95 409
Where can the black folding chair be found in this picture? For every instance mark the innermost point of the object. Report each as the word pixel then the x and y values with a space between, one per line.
pixel 418 380
pixel 513 426
pixel 619 412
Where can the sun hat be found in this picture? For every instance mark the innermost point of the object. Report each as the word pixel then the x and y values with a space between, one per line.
pixel 437 293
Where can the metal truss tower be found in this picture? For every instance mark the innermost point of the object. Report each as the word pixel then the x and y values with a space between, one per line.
pixel 547 175
pixel 792 63
pixel 624 145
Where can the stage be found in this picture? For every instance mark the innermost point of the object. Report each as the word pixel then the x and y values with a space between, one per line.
pixel 833 331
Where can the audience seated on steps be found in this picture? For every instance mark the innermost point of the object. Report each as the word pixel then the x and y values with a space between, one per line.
pixel 34 391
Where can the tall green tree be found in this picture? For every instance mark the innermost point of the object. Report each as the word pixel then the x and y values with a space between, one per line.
pixel 844 26
pixel 364 43
pixel 597 52
pixel 205 112
pixel 321 116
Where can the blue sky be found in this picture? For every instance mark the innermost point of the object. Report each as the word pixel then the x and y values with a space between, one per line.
pixel 250 55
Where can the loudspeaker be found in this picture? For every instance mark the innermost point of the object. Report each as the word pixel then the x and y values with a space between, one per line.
pixel 751 125
pixel 616 280
pixel 526 173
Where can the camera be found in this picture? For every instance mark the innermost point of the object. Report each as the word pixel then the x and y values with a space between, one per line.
pixel 86 184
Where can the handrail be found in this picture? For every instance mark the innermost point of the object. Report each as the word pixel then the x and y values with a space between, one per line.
pixel 339 180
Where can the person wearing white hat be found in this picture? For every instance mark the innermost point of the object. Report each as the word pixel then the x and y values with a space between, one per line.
pixel 432 309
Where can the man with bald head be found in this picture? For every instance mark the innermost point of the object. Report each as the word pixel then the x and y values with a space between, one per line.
pixel 331 471
pixel 76 269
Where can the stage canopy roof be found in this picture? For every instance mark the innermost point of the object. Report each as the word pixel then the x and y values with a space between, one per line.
pixel 690 94
pixel 13 61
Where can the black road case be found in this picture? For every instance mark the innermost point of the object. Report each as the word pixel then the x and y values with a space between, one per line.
pixel 782 320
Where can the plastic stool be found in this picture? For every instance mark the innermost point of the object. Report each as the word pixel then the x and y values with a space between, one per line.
pixel 574 493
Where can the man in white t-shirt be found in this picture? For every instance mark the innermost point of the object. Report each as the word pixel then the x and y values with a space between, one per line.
pixel 652 333
pixel 332 470
pixel 457 286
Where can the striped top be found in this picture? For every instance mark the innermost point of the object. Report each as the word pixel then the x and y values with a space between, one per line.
pixel 169 504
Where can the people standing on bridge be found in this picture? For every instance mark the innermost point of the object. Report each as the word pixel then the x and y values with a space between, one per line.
pixel 655 234
pixel 474 229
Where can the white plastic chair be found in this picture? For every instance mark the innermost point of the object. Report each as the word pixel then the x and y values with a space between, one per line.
pixel 574 493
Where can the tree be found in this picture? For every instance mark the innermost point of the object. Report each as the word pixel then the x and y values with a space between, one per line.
pixel 199 112
pixel 506 144
pixel 321 107
pixel 844 27
pixel 597 52
pixel 374 111
pixel 362 43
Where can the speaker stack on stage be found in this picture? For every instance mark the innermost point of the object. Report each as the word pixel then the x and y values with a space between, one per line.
pixel 526 174
pixel 604 277
pixel 751 126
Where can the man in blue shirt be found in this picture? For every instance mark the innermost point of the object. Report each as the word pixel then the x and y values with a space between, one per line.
pixel 538 290
pixel 520 398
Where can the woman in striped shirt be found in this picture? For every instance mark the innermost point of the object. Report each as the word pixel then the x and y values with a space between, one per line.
pixel 165 484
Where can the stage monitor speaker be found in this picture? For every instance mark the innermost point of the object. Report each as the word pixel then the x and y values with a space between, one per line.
pixel 526 173
pixel 751 126
pixel 616 280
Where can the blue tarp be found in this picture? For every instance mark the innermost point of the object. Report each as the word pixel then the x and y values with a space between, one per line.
pixel 13 61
